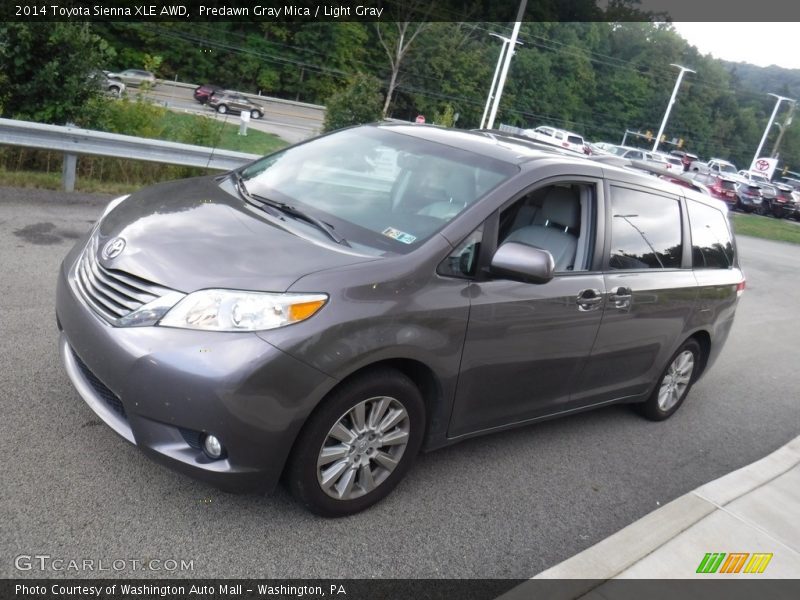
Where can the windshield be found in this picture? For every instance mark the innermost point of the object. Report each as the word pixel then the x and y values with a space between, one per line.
pixel 726 168
pixel 377 188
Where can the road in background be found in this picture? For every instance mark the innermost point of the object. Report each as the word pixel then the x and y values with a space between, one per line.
pixel 293 121
pixel 506 505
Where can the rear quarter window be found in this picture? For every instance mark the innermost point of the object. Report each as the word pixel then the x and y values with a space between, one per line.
pixel 712 243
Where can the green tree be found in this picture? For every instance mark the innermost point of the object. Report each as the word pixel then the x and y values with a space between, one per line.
pixel 47 68
pixel 396 39
pixel 359 102
pixel 445 118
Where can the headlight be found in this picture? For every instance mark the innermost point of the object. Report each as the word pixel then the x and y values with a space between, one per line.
pixel 112 205
pixel 232 310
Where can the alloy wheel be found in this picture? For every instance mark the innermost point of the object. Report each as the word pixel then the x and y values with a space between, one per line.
pixel 363 448
pixel 676 380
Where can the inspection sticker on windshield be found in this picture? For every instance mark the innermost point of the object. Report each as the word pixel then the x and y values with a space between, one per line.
pixel 400 236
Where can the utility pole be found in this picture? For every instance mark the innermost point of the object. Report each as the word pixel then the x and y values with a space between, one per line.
pixel 769 124
pixel 506 42
pixel 506 64
pixel 783 129
pixel 671 102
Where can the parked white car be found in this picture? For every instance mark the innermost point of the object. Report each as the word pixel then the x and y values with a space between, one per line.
pixel 558 137
pixel 658 159
pixel 751 177
pixel 715 166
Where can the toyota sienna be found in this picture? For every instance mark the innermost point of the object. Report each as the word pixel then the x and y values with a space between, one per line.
pixel 326 312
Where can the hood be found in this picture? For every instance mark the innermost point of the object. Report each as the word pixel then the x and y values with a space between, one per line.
pixel 191 234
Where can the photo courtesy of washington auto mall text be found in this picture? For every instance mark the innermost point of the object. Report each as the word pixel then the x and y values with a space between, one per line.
pixel 178 590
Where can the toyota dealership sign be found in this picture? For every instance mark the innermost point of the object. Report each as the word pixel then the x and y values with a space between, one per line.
pixel 764 166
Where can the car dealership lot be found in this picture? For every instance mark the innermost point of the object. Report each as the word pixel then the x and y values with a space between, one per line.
pixel 507 505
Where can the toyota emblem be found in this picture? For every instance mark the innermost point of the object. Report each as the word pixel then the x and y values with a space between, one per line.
pixel 114 248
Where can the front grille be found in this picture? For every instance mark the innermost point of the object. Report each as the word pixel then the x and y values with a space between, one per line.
pixel 110 398
pixel 110 292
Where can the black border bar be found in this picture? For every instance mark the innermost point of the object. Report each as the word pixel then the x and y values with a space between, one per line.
pixel 500 11
pixel 711 587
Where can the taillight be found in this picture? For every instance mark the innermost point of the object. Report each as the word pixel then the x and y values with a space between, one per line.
pixel 565 144
pixel 740 288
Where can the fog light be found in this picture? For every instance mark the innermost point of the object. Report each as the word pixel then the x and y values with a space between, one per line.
pixel 213 447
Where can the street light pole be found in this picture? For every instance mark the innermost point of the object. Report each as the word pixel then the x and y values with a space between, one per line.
pixel 769 124
pixel 506 63
pixel 506 42
pixel 671 102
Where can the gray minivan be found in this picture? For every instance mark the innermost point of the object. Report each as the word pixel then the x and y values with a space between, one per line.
pixel 325 312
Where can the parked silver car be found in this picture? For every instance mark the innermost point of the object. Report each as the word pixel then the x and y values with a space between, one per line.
pixel 327 311
pixel 112 87
pixel 133 77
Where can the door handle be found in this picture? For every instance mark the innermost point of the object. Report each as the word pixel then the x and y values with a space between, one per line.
pixel 621 297
pixel 589 299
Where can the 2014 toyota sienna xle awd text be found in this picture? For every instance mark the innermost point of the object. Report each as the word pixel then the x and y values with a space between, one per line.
pixel 325 312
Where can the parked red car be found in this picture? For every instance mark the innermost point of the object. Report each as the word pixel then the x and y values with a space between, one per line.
pixel 719 187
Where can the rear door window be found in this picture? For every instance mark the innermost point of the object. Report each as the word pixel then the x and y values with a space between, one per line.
pixel 712 244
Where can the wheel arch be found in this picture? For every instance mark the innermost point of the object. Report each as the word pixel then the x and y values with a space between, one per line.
pixel 703 338
pixel 420 374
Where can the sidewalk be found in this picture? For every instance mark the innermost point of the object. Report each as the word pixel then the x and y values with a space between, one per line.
pixel 753 510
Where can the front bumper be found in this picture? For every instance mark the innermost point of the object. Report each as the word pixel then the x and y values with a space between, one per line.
pixel 158 387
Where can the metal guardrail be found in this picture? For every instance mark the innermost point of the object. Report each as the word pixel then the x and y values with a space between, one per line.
pixel 73 141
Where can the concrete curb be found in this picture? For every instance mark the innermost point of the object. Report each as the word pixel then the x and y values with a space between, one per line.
pixel 613 555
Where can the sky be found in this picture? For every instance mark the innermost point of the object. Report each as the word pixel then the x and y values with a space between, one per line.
pixel 761 44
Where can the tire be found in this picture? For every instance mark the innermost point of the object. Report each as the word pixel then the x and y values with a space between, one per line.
pixel 255 114
pixel 674 384
pixel 222 109
pixel 114 91
pixel 357 471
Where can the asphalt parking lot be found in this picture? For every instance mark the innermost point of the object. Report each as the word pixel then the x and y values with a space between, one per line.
pixel 503 506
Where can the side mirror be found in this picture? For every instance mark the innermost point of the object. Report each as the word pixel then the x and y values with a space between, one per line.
pixel 521 262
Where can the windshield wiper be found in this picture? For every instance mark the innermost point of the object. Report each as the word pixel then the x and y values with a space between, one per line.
pixel 287 209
